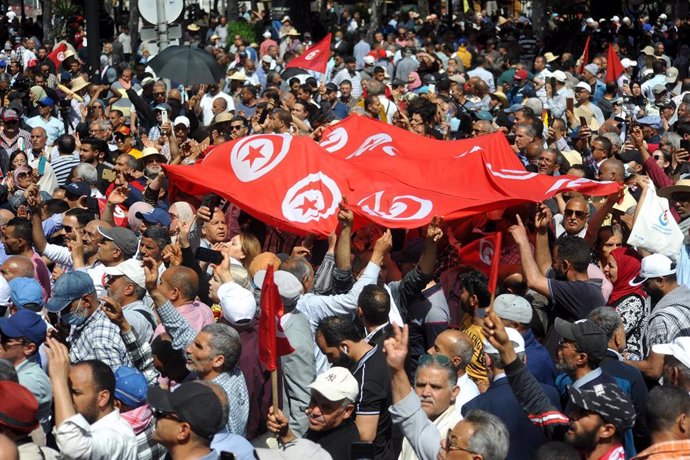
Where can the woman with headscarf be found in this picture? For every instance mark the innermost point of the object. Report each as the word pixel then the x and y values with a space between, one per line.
pixel 630 302
pixel 36 93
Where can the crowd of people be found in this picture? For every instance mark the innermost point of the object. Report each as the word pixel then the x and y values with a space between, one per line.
pixel 129 317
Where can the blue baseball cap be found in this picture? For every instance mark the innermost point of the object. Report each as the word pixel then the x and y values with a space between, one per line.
pixel 26 291
pixel 25 323
pixel 130 386
pixel 70 286
pixel 653 121
pixel 78 189
pixel 46 101
pixel 154 216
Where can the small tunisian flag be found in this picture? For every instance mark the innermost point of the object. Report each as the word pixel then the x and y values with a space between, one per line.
pixel 274 343
pixel 58 55
pixel 315 58
pixel 483 254
pixel 585 57
pixel 614 68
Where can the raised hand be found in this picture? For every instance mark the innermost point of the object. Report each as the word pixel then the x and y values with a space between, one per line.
pixel 345 215
pixel 519 232
pixel 58 360
pixel 172 255
pixel 543 217
pixel 395 347
pixel 151 273
pixel 113 310
pixel 118 195
pixel 433 230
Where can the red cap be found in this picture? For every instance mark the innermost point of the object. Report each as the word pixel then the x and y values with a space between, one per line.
pixel 124 130
pixel 18 411
pixel 521 74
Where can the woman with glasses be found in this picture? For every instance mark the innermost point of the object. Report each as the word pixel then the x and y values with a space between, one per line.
pixel 631 302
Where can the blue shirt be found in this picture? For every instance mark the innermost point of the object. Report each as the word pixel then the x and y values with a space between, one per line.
pixel 54 127
pixel 539 361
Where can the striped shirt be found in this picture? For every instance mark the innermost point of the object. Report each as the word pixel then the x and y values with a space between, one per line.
pixel 62 166
pixel 669 319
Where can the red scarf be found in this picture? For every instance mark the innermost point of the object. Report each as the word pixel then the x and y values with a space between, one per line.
pixel 628 262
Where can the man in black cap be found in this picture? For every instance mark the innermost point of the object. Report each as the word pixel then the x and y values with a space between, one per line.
pixel 339 109
pixel 599 413
pixel 187 419
pixel 118 245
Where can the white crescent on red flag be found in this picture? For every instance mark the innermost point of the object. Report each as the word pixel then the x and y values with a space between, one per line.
pixel 314 58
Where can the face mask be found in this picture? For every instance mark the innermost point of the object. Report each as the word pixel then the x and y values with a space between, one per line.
pixel 76 317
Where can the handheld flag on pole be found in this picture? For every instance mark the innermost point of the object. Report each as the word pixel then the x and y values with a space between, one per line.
pixel 315 58
pixel 614 67
pixel 584 60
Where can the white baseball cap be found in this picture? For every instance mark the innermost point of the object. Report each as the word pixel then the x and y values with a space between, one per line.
pixel 654 266
pixel 514 336
pixel 181 120
pixel 585 86
pixel 560 76
pixel 513 308
pixel 336 384
pixel 679 349
pixel 237 303
pixel 626 63
pixel 615 19
pixel 132 269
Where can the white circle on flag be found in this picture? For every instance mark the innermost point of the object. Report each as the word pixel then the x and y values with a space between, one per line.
pixel 335 140
pixel 254 156
pixel 312 55
pixel 61 56
pixel 399 208
pixel 313 198
pixel 486 251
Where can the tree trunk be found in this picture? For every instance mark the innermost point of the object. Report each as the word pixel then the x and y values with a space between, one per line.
pixel 48 21
pixel 232 12
pixel 539 17
pixel 423 8
pixel 375 20
pixel 134 23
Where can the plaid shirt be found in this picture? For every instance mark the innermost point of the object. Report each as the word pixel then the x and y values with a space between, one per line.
pixel 669 319
pixel 666 450
pixel 100 339
pixel 147 448
pixel 232 382
pixel 141 356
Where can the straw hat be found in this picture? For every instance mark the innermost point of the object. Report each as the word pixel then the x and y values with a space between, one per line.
pixel 550 56
pixel 78 83
pixel 501 97
pixel 682 186
pixel 221 117
pixel 193 28
pixel 149 152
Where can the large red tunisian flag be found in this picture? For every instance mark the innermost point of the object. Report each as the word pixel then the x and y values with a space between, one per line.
pixel 614 67
pixel 272 339
pixel 315 58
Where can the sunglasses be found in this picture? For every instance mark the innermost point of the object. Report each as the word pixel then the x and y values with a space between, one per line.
pixel 157 413
pixel 571 212
pixel 70 229
pixel 159 94
pixel 236 127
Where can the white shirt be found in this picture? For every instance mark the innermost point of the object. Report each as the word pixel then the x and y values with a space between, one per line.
pixel 468 391
pixel 110 438
pixel 207 102
pixel 126 42
pixel 485 75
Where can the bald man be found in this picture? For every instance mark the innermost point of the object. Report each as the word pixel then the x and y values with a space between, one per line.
pixel 574 219
pixel 5 216
pixel 180 286
pixel 457 346
pixel 17 267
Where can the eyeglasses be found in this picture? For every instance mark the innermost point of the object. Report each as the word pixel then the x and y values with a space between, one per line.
pixel 159 94
pixel 578 214
pixel 451 447
pixel 563 344
pixel 441 360
pixel 236 127
pixel 70 229
pixel 163 414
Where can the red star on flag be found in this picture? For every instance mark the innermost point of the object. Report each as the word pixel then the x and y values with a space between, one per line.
pixel 307 205
pixel 253 155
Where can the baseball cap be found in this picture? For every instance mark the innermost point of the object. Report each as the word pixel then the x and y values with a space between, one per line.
pixel 124 238
pixel 586 334
pixel 336 384
pixel 659 89
pixel 585 86
pixel 46 101
pixel 26 291
pixel 671 75
pixel 163 106
pixel 513 308
pixel 18 412
pixel 266 34
pixel 130 386
pixel 331 87
pixel 132 269
pixel 560 76
pixel 625 62
pixel 592 68
pixel 289 287
pixel 521 74
pixel 78 189
pixel 10 115
pixel 654 266
pixel 606 399
pixel 154 216
pixel 71 285
pixel 514 336
pixel 124 130
pixel 237 303
pixel 653 121
pixel 679 349
pixel 194 402
pixel 483 115
pixel 181 120
pixel 25 323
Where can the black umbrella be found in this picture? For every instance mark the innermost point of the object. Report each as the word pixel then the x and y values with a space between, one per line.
pixel 187 65
pixel 293 72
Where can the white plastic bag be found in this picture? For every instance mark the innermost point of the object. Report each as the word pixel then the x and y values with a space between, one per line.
pixel 655 229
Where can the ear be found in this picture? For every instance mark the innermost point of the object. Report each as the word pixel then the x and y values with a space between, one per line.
pixel 474 301
pixel 348 411
pixel 455 393
pixel 456 361
pixel 184 431
pixel 607 430
pixel 684 424
pixel 359 312
pixel 29 349
pixel 102 398
pixel 218 361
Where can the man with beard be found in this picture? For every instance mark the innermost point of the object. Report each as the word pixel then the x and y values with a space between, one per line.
pixel 499 400
pixel 87 424
pixel 330 412
pixel 599 413
pixel 94 151
pixel 670 315
pixel 151 161
pixel 19 242
pixel 562 278
pixel 212 354
pixel 342 343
